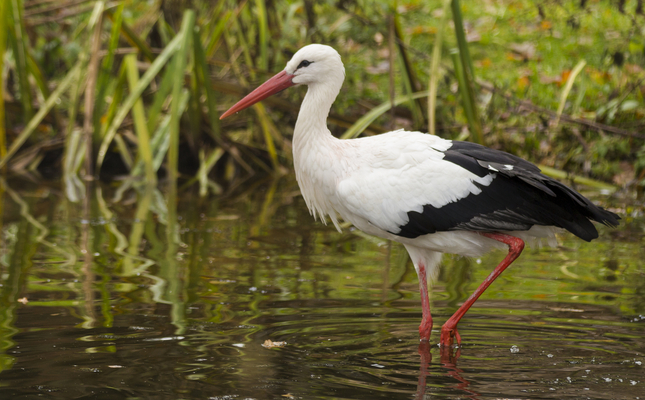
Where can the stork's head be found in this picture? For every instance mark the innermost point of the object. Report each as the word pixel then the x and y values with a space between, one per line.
pixel 313 65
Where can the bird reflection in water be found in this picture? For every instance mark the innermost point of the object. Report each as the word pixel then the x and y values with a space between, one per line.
pixel 448 362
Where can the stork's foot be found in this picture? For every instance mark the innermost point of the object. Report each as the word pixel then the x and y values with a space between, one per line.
pixel 449 334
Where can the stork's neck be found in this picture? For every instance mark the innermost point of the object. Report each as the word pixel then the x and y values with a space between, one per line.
pixel 311 126
pixel 315 149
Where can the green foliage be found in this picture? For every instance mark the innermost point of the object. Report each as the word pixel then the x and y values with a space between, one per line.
pixel 511 81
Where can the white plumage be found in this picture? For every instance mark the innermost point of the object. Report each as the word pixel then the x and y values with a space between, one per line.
pixel 431 194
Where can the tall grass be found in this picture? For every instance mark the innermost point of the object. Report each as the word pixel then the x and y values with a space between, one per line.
pixel 106 88
pixel 141 97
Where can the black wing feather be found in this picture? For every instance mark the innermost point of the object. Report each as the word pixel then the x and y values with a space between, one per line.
pixel 519 197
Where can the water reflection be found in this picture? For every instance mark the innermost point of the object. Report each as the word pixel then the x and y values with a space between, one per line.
pixel 122 296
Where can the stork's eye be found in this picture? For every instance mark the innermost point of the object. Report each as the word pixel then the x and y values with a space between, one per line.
pixel 304 63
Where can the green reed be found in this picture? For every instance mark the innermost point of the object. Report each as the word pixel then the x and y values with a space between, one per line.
pixel 138 88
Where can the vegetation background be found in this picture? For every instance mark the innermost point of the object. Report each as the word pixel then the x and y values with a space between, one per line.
pixel 134 88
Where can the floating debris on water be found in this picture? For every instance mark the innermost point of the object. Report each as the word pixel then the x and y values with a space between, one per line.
pixel 269 344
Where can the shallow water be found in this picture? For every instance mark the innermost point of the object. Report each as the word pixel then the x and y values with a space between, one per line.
pixel 121 299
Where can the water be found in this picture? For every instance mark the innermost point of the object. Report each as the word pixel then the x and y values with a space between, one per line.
pixel 122 300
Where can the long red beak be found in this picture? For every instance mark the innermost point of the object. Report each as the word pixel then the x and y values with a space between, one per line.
pixel 274 85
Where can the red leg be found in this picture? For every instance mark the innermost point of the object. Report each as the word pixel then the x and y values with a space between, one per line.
pixel 426 322
pixel 515 247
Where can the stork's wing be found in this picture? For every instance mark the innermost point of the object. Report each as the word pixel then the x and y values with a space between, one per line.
pixel 465 187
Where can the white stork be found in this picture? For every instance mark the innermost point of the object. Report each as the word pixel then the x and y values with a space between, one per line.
pixel 432 195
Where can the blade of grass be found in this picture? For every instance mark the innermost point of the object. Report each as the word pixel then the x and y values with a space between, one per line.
pixel 165 30
pixel 203 72
pixel 37 74
pixel 265 210
pixel 466 76
pixel 467 100
pixel 205 167
pixel 362 123
pixel 392 62
pixel 160 98
pixel 133 38
pixel 222 27
pixel 161 138
pixel 78 159
pixel 567 88
pixel 117 96
pixel 216 34
pixel 123 111
pixel 105 75
pixel 162 135
pixel 263 36
pixel 44 109
pixel 95 25
pixel 582 90
pixel 71 139
pixel 75 105
pixel 126 156
pixel 179 65
pixel 461 80
pixel 265 123
pixel 242 46
pixel 410 79
pixel 3 48
pixel 194 105
pixel 214 41
pixel 139 116
pixel 462 44
pixel 74 189
pixel 434 69
pixel 19 44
